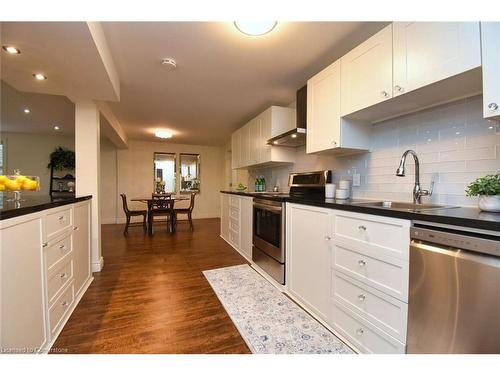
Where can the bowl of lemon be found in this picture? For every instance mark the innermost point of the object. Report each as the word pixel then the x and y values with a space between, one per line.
pixel 241 187
pixel 17 183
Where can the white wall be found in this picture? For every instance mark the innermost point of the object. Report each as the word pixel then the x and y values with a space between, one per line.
pixel 108 182
pixel 454 143
pixel 134 173
pixel 30 153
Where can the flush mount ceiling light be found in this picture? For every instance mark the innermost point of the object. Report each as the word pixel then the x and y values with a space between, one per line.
pixel 255 28
pixel 39 76
pixel 163 134
pixel 27 110
pixel 11 50
pixel 169 62
pixel 57 127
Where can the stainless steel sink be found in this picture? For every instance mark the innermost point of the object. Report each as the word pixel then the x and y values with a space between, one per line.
pixel 404 206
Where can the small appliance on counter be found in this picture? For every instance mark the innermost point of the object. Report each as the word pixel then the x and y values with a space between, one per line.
pixel 268 250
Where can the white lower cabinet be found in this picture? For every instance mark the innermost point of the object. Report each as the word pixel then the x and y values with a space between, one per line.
pixel 236 222
pixel 309 231
pixel 346 278
pixel 45 269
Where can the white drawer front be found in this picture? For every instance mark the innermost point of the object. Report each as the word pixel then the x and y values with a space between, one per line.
pixel 390 275
pixel 234 201
pixel 58 221
pixel 234 238
pixel 234 225
pixel 61 306
pixel 363 335
pixel 388 236
pixel 58 250
pixel 59 277
pixel 234 213
pixel 384 311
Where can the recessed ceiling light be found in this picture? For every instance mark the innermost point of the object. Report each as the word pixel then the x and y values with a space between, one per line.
pixel 169 62
pixel 275 142
pixel 26 110
pixel 56 127
pixel 39 76
pixel 294 135
pixel 255 28
pixel 11 50
pixel 163 134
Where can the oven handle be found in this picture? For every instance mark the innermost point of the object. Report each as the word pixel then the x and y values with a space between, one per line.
pixel 268 208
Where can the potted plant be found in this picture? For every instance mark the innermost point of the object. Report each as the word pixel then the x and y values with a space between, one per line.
pixel 488 190
pixel 62 159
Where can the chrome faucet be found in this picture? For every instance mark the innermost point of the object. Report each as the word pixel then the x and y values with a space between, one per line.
pixel 417 191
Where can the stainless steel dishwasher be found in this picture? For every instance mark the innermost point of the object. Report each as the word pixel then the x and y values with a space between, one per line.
pixel 454 293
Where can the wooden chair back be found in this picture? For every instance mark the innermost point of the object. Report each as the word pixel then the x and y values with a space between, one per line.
pixel 191 203
pixel 124 201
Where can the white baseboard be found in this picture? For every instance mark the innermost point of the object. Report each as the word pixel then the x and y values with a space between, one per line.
pixel 97 266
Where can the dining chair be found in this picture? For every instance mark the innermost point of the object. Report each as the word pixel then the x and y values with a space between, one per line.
pixel 129 213
pixel 186 211
pixel 162 205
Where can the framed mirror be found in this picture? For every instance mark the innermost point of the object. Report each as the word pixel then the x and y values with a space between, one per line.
pixel 190 173
pixel 164 173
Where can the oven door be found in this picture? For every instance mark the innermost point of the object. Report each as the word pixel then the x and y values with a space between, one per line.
pixel 268 228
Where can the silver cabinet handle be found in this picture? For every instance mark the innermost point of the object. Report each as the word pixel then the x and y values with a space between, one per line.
pixel 60 218
pixel 45 244
pixel 361 297
pixel 75 228
pixel 399 88
pixel 64 304
pixel 63 275
pixel 360 331
pixel 328 238
pixel 493 106
pixel 385 94
pixel 362 227
pixel 361 262
pixel 61 247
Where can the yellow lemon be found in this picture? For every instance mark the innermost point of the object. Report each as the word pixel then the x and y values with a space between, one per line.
pixel 21 179
pixel 2 187
pixel 12 185
pixel 30 184
pixel 3 179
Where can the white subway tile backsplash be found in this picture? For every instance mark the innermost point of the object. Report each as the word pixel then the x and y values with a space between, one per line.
pixel 454 143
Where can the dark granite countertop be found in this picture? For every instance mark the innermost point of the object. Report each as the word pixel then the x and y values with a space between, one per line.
pixel 35 204
pixel 461 216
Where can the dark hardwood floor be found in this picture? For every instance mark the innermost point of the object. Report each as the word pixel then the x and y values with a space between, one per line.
pixel 151 296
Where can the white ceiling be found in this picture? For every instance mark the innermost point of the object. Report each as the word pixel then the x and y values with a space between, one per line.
pixel 223 77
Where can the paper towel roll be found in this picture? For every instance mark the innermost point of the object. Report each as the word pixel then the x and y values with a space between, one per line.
pixel 329 190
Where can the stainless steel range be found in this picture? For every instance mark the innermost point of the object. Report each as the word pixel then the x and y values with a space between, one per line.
pixel 268 250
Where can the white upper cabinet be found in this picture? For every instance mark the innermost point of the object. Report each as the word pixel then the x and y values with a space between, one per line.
pixel 490 41
pixel 236 149
pixel 255 140
pixel 323 109
pixel 245 146
pixel 428 52
pixel 367 73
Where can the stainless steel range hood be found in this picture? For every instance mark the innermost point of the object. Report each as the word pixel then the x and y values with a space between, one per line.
pixel 297 136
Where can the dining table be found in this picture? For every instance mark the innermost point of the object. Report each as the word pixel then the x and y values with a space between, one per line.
pixel 150 200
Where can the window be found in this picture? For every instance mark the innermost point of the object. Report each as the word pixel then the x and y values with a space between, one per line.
pixel 164 173
pixel 190 173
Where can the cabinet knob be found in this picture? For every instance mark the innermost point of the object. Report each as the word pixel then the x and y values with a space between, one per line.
pixel 362 227
pixel 334 143
pixel 361 297
pixel 60 218
pixel 75 228
pixel 385 94
pixel 45 244
pixel 493 106
pixel 61 247
pixel 399 88
pixel 63 275
pixel 64 304
pixel 361 262
pixel 328 238
pixel 360 331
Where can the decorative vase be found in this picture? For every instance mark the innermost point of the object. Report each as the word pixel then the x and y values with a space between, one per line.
pixel 490 203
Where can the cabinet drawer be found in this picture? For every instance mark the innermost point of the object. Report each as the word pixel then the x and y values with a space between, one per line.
pixel 363 335
pixel 60 308
pixel 234 201
pixel 59 277
pixel 234 213
pixel 234 238
pixel 58 221
pixel 58 250
pixel 387 313
pixel 234 225
pixel 386 236
pixel 387 274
